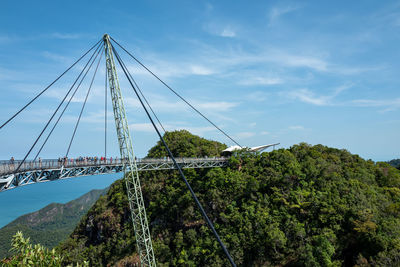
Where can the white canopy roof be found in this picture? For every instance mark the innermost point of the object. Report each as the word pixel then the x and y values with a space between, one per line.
pixel 254 149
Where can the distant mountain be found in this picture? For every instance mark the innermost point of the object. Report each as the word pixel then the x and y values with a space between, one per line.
pixel 395 163
pixel 51 224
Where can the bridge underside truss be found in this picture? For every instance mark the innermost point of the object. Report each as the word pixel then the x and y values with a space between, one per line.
pixel 9 180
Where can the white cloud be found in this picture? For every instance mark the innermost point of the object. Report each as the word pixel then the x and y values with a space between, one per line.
pixel 264 133
pixel 261 81
pixel 63 36
pixel 170 68
pixel 276 12
pixel 142 127
pixel 244 135
pixel 256 96
pixel 220 29
pixel 215 106
pixel 148 128
pixel 179 106
pixel 200 70
pixel 301 61
pixel 228 32
pixel 387 104
pixel 310 97
pixel 296 127
pixel 275 56
pixel 55 57
pixel 201 131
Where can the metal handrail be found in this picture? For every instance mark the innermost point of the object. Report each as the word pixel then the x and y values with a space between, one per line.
pixel 9 166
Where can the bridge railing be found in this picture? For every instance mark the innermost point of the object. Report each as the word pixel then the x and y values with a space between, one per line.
pixel 11 166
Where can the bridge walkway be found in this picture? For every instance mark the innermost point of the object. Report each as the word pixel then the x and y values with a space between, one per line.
pixel 53 169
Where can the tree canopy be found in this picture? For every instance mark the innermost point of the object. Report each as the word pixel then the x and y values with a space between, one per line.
pixel 302 206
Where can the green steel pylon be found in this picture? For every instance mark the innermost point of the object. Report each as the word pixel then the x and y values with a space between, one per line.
pixel 136 203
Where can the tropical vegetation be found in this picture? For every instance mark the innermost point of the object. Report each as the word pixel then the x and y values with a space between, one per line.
pixel 302 206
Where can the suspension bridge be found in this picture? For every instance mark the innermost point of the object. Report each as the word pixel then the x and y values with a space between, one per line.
pixel 47 170
pixel 32 169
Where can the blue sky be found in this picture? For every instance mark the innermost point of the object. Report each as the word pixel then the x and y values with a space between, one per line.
pixel 270 71
pixel 321 72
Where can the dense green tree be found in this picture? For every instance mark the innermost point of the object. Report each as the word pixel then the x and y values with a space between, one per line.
pixel 303 206
pixel 28 255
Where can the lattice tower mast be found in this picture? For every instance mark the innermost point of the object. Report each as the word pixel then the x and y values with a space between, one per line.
pixel 136 203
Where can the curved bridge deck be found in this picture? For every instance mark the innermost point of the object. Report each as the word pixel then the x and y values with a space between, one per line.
pixel 52 169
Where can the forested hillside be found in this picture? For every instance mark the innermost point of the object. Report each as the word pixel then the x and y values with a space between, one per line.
pixel 303 206
pixel 50 225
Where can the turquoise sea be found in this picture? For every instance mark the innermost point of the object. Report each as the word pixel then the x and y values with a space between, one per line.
pixel 29 198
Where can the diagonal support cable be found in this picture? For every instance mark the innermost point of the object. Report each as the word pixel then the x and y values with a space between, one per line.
pixel 148 104
pixel 204 214
pixel 105 115
pixel 66 106
pixel 44 90
pixel 176 93
pixel 51 118
pixel 84 103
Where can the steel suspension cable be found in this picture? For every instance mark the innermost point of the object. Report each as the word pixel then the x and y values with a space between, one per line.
pixel 44 90
pixel 148 104
pixel 84 103
pixel 51 118
pixel 176 93
pixel 66 106
pixel 202 211
pixel 105 115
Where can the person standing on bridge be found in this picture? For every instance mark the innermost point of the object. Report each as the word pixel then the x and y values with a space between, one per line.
pixel 40 162
pixel 12 163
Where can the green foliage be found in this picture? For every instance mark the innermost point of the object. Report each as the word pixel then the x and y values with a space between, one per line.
pixel 303 206
pixel 26 254
pixel 184 144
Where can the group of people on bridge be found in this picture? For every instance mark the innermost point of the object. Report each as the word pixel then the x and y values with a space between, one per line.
pixel 86 160
pixel 13 164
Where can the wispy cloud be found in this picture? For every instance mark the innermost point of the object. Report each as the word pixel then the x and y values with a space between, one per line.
pixel 228 32
pixel 219 106
pixel 221 29
pixel 307 96
pixel 172 68
pixel 257 96
pixel 55 57
pixel 292 60
pixel 276 12
pixel 244 135
pixel 178 106
pixel 141 127
pixel 386 104
pixel 261 81
pixel 296 127
pixel 64 36
pixel 148 128
pixel 200 70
